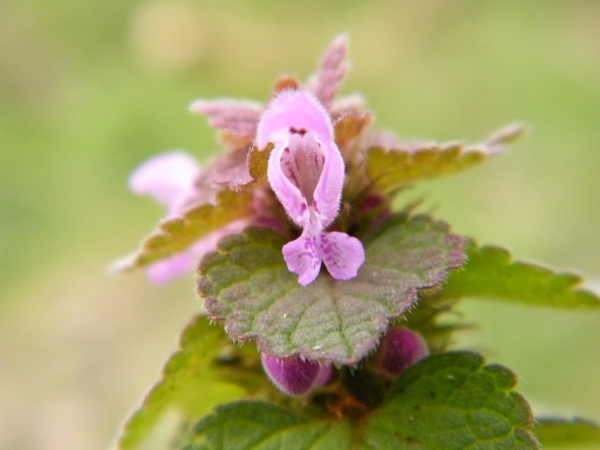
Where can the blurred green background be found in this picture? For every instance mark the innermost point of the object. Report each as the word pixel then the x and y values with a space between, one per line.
pixel 89 89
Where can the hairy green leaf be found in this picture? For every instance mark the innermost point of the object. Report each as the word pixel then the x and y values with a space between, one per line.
pixel 554 433
pixel 391 169
pixel 192 383
pixel 490 272
pixel 262 426
pixel 175 235
pixel 247 284
pixel 452 401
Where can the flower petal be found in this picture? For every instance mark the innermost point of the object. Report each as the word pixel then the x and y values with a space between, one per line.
pixel 288 194
pixel 328 194
pixel 168 178
pixel 164 271
pixel 302 258
pixel 300 111
pixel 342 254
pixel 293 109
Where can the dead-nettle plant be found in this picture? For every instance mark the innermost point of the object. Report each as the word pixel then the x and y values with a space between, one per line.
pixel 319 323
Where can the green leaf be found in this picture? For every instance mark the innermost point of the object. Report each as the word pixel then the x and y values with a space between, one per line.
pixel 192 383
pixel 175 235
pixel 490 272
pixel 391 169
pixel 554 433
pixel 452 401
pixel 262 426
pixel 448 401
pixel 247 284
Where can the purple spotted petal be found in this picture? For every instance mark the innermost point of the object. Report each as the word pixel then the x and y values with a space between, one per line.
pixel 169 179
pixel 295 376
pixel 342 254
pixel 302 258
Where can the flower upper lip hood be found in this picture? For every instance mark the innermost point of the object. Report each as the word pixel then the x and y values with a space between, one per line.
pixel 306 169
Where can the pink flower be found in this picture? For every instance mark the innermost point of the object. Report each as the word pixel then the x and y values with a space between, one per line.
pixel 295 376
pixel 171 179
pixel 306 172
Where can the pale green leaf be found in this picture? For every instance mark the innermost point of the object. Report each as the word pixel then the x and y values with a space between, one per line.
pixel 391 169
pixel 192 383
pixel 569 434
pixel 247 284
pixel 490 272
pixel 177 234
pixel 452 401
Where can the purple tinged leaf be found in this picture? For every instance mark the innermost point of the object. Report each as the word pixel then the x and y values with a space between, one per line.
pixel 325 83
pixel 306 172
pixel 392 164
pixel 231 170
pixel 399 349
pixel 295 376
pixel 239 117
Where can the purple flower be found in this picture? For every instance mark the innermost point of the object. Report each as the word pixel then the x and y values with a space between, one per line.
pixel 172 180
pixel 295 376
pixel 399 349
pixel 306 172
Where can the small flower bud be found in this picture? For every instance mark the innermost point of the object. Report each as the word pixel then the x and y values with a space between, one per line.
pixel 399 349
pixel 294 376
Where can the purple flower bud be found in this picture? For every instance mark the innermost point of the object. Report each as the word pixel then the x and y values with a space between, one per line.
pixel 399 349
pixel 306 172
pixel 294 376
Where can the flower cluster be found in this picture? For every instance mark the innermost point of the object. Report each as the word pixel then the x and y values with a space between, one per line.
pixel 308 167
